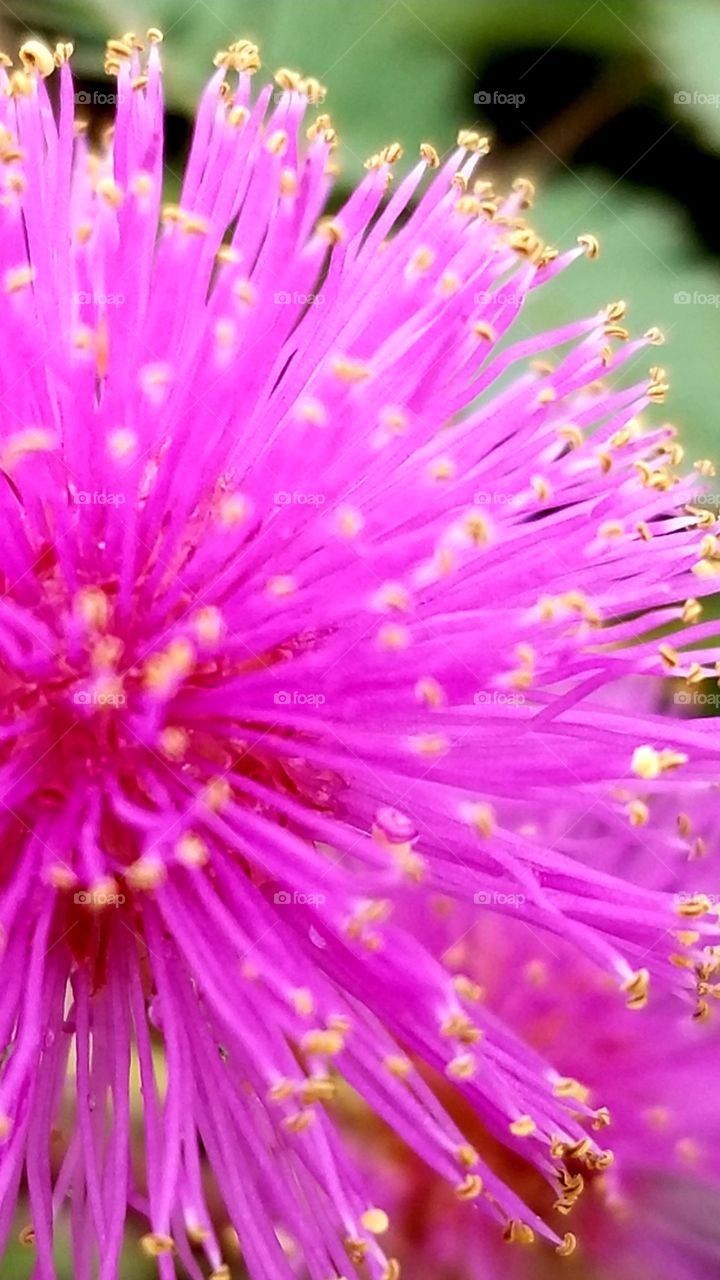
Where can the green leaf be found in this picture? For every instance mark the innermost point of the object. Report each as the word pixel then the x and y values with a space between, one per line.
pixel 648 259
pixel 685 39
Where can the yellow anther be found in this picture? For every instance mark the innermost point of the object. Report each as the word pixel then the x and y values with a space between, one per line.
pixel 245 293
pixel 693 907
pixel 242 56
pixel 303 1001
pixel 467 988
pixel 473 141
pixel 430 691
pixel 18 278
pixel 470 1187
pixel 122 443
pixel 476 529
pixel 517 1232
pixel 349 522
pixel 155 1246
pixel 393 637
pixel 109 192
pixel 174 742
pixel 232 510
pixel 591 245
pixel 313 89
pixel 462 1067
pixel 207 624
pixel 287 79
pixel 567 1087
pixel 480 816
pixel 540 485
pixel 398 1066
pixel 35 56
pixel 429 745
pixel 636 988
pixel 324 1043
pixel 93 607
pixel 655 337
pixel 526 189
pixel 145 874
pixel 23 443
pixel 375 1221
pixel 616 311
pixel 523 1126
pixel 277 143
pixel 21 85
pixel 192 850
pixel 317 1089
pixel 348 370
pixel 429 155
pixel 281 585
pixel 638 813
pixel 467 1156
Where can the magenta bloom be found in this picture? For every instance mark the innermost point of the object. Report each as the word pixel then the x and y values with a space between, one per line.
pixel 652 1209
pixel 316 595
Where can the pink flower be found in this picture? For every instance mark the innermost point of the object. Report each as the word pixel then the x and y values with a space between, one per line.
pixel 309 614
pixel 649 1205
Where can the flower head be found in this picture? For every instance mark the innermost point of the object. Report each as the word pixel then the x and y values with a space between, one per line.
pixel 316 590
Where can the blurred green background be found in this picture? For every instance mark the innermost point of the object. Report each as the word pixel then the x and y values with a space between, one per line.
pixel 612 106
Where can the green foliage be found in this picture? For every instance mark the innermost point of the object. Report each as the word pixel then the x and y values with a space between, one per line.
pixel 650 260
